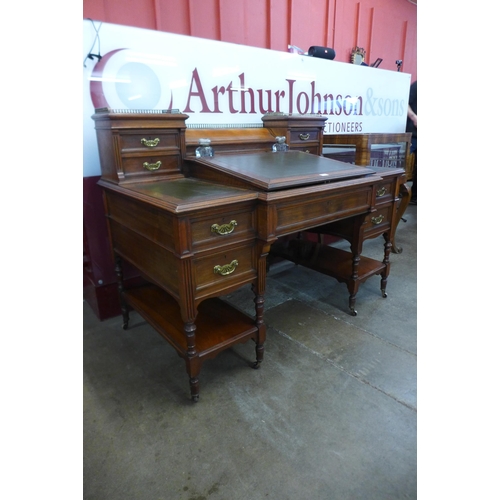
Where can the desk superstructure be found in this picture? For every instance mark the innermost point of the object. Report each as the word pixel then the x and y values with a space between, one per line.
pixel 200 228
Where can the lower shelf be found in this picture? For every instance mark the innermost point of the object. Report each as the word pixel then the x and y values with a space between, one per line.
pixel 327 260
pixel 334 262
pixel 218 325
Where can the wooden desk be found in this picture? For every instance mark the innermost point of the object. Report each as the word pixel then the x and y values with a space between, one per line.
pixel 199 228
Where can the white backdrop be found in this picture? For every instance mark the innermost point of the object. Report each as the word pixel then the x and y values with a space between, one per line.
pixel 224 84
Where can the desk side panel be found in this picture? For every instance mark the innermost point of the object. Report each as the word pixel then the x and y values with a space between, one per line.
pixel 157 263
pixel 146 220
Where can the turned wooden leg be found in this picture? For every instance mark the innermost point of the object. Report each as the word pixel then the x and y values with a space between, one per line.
pixel 193 365
pixel 353 284
pixel 383 285
pixel 352 304
pixel 259 352
pixel 387 263
pixel 259 320
pixel 194 385
pixel 123 305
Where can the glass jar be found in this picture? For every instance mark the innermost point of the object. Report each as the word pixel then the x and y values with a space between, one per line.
pixel 280 144
pixel 204 149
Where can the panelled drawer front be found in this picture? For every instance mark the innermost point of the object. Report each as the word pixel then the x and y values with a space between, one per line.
pixel 148 141
pixel 221 229
pixel 299 136
pixel 150 164
pixel 379 221
pixel 229 266
pixel 384 192
pixel 317 210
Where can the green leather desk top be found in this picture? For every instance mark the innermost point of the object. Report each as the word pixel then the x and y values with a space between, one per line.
pixel 271 171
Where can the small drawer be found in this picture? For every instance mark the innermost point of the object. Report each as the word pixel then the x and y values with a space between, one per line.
pixel 379 221
pixel 229 266
pixel 384 192
pixel 148 141
pixel 150 165
pixel 221 229
pixel 298 136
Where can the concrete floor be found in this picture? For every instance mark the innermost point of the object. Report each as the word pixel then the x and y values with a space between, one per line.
pixel 331 414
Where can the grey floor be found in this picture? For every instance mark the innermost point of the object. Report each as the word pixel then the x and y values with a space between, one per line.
pixel 331 413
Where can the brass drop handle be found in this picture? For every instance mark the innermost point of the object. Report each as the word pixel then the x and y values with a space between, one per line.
pixel 381 192
pixel 304 137
pixel 377 220
pixel 226 269
pixel 150 143
pixel 152 166
pixel 224 229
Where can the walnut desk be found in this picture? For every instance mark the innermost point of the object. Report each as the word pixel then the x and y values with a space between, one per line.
pixel 198 229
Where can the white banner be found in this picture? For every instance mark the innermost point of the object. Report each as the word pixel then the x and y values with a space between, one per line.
pixel 218 83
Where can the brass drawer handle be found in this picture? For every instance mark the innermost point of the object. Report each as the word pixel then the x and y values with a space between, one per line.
pixel 304 137
pixel 224 228
pixel 377 220
pixel 152 166
pixel 150 143
pixel 381 192
pixel 226 269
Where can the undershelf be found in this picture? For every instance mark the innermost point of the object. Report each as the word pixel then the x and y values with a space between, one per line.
pixel 218 324
pixel 327 260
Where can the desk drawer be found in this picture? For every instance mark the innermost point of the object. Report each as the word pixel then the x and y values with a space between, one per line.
pixel 303 136
pixel 150 165
pixel 317 209
pixel 231 266
pixel 220 229
pixel 148 140
pixel 378 222
pixel 384 192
